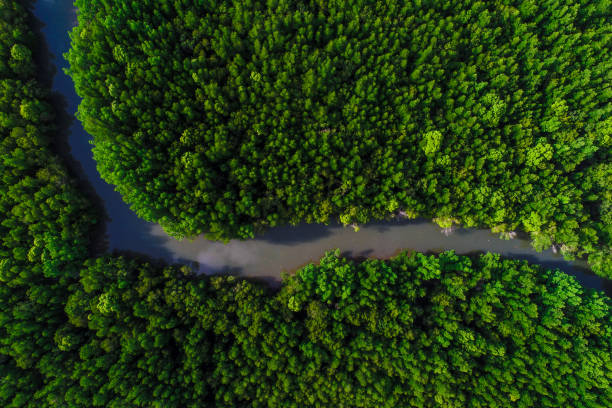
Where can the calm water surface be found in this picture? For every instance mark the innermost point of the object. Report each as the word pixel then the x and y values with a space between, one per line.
pixel 285 248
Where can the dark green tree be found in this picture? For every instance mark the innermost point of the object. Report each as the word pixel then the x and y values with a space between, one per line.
pixel 227 117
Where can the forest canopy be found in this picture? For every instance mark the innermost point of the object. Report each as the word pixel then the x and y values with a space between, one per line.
pixel 80 330
pixel 227 117
pixel 413 331
pixel 45 221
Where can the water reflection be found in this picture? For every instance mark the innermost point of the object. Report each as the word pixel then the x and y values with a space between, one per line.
pixel 283 248
pixel 288 248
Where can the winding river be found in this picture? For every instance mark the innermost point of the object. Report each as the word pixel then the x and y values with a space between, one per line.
pixel 280 249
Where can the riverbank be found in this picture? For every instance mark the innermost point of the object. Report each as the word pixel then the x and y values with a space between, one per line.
pixel 279 249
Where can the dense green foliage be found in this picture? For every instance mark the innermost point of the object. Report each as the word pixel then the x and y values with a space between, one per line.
pixel 414 331
pixel 44 220
pixel 227 116
pixel 43 215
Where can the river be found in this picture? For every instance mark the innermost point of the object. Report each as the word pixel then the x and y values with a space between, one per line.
pixel 280 249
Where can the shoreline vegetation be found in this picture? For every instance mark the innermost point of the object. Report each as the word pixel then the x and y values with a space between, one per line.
pixel 115 331
pixel 226 119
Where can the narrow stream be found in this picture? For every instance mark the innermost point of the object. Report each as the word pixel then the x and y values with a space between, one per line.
pixel 280 249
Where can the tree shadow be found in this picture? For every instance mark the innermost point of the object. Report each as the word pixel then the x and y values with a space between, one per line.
pixel 159 262
pixel 360 256
pixel 386 225
pixel 583 275
pixel 296 235
pixel 46 71
pixel 41 54
pixel 523 236
pixel 437 251
pixel 466 231
pixel 270 283
pixel 607 287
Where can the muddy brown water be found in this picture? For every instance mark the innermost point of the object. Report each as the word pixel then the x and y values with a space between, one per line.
pixel 279 249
